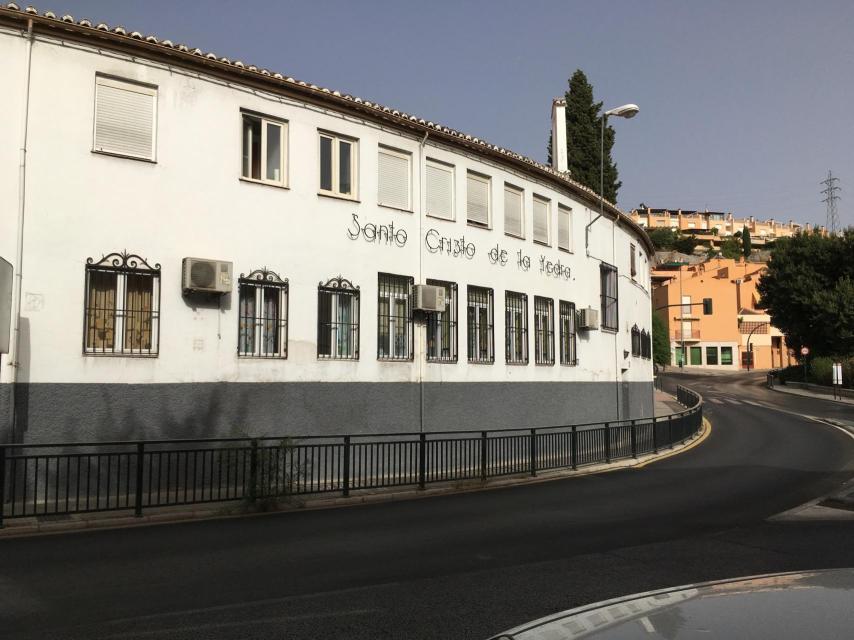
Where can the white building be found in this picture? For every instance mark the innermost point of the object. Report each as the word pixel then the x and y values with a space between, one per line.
pixel 140 153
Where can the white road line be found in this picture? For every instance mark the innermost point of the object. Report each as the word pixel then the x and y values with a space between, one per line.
pixel 802 415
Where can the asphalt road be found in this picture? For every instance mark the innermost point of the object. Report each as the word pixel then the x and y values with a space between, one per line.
pixel 463 566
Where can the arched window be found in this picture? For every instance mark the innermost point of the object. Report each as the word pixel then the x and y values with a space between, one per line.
pixel 263 315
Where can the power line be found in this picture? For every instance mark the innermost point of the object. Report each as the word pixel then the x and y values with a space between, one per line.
pixel 831 197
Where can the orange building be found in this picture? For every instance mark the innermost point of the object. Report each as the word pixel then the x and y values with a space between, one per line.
pixel 714 316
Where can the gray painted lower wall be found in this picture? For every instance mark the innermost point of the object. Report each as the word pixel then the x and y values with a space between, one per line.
pixel 50 412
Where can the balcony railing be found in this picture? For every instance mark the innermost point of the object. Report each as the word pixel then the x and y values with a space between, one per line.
pixel 689 336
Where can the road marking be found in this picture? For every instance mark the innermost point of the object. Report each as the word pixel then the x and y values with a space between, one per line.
pixel 716 400
pixel 801 415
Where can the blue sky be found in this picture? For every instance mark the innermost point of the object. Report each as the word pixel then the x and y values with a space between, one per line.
pixel 744 105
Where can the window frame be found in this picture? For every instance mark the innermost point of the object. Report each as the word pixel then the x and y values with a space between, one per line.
pixel 714 349
pixel 435 323
pixel 568 339
pixel 262 281
pixel 633 261
pixel 336 288
pixel 486 301
pixel 636 341
pixel 147 87
pixel 335 176
pixel 515 336
pixel 516 191
pixel 544 337
pixel 122 265
pixel 283 154
pixel 403 155
pixel 393 285
pixel 479 177
pixel 604 297
pixel 568 247
pixel 548 205
pixel 451 170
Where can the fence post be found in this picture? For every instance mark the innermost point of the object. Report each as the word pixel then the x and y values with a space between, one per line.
pixel 253 470
pixel 483 453
pixel 140 459
pixel 533 452
pixel 670 431
pixel 634 441
pixel 654 436
pixel 607 442
pixel 574 448
pixel 422 461
pixel 2 483
pixel 346 489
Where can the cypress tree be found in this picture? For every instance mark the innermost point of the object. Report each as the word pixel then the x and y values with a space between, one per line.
pixel 583 131
pixel 745 242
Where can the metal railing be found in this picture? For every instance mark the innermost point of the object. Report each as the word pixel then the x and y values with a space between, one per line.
pixel 65 478
pixel 694 334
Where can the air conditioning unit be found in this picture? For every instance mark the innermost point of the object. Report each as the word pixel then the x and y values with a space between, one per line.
pixel 588 318
pixel 428 297
pixel 209 276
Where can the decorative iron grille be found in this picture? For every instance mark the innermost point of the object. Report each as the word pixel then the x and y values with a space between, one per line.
pixel 636 341
pixel 608 288
pixel 515 328
pixel 544 335
pixel 442 326
pixel 568 353
pixel 338 320
pixel 394 317
pixel 481 346
pixel 263 315
pixel 121 306
pixel 646 344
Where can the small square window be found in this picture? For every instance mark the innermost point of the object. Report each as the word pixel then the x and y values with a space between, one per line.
pixel 542 209
pixel 264 150
pixel 338 165
pixel 514 218
pixel 440 190
pixel 477 199
pixel 393 178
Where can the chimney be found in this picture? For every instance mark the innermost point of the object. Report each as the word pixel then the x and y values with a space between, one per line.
pixel 559 160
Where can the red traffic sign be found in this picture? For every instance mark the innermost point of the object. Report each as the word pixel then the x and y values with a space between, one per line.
pixel 805 351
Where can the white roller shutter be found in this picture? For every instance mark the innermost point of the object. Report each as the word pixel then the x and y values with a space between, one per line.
pixel 513 211
pixel 541 220
pixel 440 191
pixel 393 179
pixel 124 118
pixel 564 228
pixel 477 198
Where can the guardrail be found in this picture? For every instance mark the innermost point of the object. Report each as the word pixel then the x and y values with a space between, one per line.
pixel 65 478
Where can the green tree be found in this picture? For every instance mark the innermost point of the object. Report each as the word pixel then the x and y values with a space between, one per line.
pixel 731 246
pixel 685 243
pixel 745 242
pixel 660 342
pixel 583 133
pixel 662 237
pixel 808 290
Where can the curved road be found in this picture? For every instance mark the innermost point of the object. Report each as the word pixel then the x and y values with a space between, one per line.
pixel 462 566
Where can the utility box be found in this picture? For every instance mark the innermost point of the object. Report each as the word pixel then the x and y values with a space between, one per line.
pixel 5 304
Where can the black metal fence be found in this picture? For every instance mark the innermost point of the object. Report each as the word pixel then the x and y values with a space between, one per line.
pixel 65 478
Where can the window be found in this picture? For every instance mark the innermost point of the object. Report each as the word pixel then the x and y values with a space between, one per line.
pixel 696 355
pixel 125 118
pixel 514 223
pixel 542 209
pixel 515 328
pixel 646 344
pixel 442 326
pixel 338 165
pixel 568 353
pixel 480 330
pixel 477 199
pixel 122 306
pixel 262 330
pixel 264 145
pixel 677 354
pixel 686 305
pixel 564 228
pixel 393 171
pixel 338 320
pixel 711 355
pixel 440 190
pixel 726 355
pixel 634 261
pixel 608 288
pixel 636 341
pixel 394 317
pixel 544 331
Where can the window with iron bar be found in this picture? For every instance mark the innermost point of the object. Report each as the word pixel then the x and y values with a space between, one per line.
pixel 122 306
pixel 481 347
pixel 636 341
pixel 263 315
pixel 608 293
pixel 442 326
pixel 568 354
pixel 515 328
pixel 338 320
pixel 544 333
pixel 394 317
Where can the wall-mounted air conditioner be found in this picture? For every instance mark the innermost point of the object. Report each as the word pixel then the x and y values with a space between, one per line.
pixel 588 318
pixel 209 276
pixel 428 297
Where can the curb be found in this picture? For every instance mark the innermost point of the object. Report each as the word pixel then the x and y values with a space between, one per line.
pixel 232 510
pixel 815 396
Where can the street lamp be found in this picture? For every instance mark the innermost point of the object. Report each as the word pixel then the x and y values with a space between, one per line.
pixel 625 111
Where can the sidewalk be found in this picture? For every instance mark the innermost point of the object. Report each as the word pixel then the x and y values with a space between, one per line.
pixel 809 394
pixel 665 404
